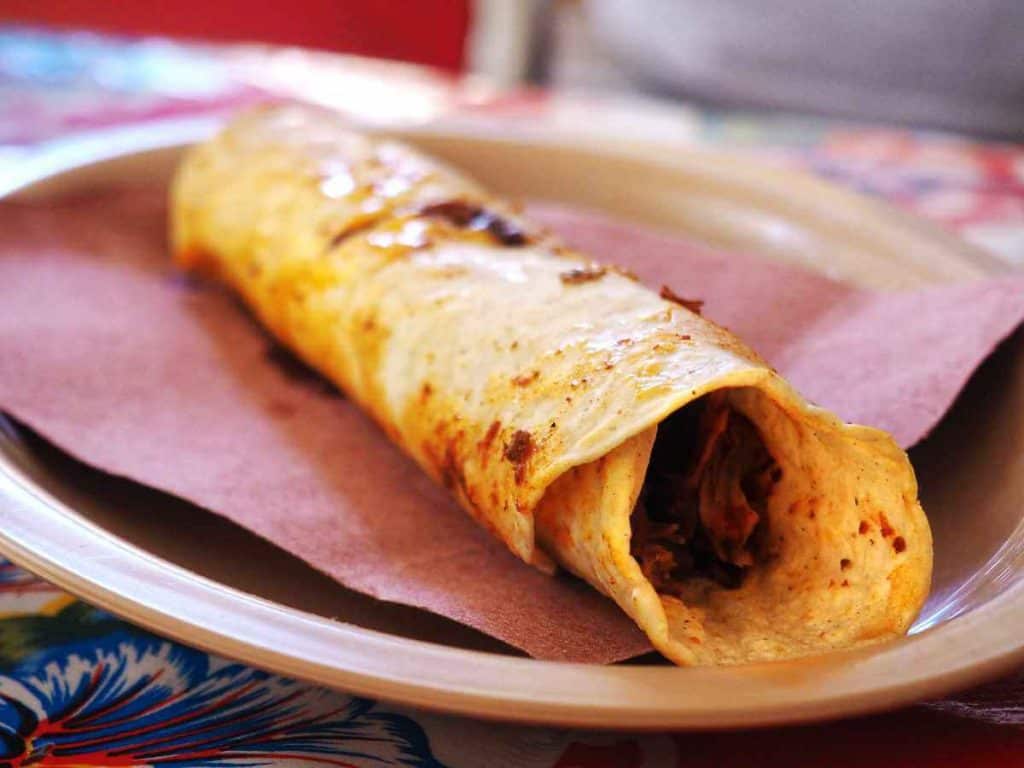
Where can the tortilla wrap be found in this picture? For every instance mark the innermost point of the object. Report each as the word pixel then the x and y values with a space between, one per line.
pixel 584 419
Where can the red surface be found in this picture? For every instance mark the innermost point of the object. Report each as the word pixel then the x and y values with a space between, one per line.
pixel 426 31
pixel 918 737
pixel 620 754
pixel 907 739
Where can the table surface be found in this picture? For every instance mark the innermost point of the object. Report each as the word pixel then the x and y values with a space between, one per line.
pixel 80 687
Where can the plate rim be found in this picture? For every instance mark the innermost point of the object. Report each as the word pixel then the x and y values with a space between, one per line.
pixel 150 574
pixel 512 694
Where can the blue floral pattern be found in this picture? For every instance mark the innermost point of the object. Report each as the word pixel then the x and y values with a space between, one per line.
pixel 131 699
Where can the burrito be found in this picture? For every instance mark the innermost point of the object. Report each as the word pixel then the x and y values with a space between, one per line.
pixel 589 422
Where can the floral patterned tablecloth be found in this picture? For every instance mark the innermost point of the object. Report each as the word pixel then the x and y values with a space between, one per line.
pixel 79 687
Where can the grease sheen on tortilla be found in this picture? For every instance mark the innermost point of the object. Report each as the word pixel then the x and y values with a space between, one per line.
pixel 535 385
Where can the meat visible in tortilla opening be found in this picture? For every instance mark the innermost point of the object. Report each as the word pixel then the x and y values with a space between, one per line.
pixel 703 498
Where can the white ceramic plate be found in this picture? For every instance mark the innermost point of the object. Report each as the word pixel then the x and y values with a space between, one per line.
pixel 212 585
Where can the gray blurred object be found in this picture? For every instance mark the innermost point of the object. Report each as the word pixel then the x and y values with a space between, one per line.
pixel 955 64
pixel 510 40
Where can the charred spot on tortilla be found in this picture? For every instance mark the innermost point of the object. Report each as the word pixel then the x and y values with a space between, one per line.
pixel 704 497
pixel 583 274
pixel 505 231
pixel 694 305
pixel 458 213
pixel 520 447
pixel 525 379
pixel 464 215
pixel 518 452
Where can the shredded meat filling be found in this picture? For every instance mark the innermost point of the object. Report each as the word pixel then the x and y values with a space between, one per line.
pixel 704 496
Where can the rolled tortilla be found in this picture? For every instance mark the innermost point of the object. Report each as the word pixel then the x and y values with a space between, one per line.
pixel 582 418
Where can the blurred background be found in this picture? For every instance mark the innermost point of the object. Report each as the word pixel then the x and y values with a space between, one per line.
pixel 946 64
